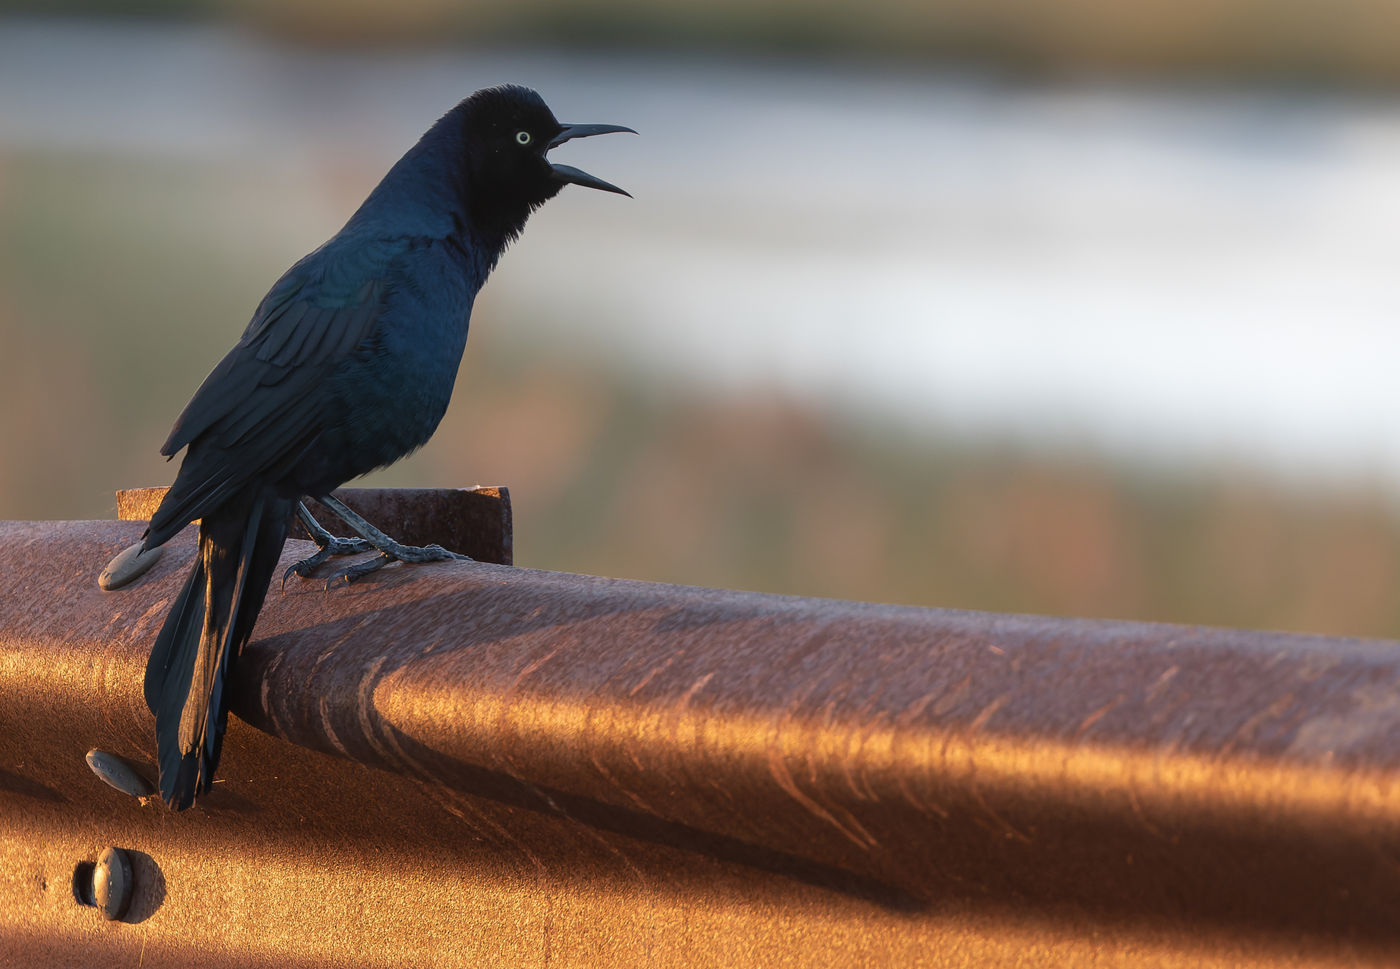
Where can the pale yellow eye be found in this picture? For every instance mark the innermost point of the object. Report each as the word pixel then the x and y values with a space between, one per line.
pixel 523 138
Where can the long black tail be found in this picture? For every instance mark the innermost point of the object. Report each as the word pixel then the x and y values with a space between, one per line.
pixel 189 672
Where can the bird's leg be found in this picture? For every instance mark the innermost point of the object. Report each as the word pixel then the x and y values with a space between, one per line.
pixel 389 550
pixel 326 545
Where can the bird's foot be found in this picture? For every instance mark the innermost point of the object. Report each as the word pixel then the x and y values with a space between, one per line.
pixel 337 546
pixel 327 546
pixel 392 551
pixel 370 538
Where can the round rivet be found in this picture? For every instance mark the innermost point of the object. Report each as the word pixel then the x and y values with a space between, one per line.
pixel 107 885
pixel 120 773
pixel 111 883
pixel 128 564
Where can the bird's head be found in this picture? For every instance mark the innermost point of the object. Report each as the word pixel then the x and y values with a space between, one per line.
pixel 508 131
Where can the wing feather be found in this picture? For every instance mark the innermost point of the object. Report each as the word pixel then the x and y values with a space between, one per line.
pixel 255 413
pixel 274 339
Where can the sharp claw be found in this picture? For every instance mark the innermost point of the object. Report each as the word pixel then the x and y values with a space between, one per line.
pixel 294 567
pixel 342 575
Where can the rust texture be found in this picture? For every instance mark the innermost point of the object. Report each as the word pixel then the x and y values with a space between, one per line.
pixel 473 521
pixel 467 764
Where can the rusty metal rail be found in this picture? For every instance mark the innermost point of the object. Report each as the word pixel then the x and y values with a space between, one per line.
pixel 479 765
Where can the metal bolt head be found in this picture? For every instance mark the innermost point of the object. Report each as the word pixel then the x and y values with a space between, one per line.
pixel 128 565
pixel 108 885
pixel 112 883
pixel 120 773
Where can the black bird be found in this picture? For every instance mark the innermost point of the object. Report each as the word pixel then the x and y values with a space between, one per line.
pixel 347 366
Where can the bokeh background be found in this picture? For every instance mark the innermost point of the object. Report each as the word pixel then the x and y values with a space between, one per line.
pixel 1062 306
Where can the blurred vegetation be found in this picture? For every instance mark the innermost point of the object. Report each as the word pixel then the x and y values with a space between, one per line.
pixel 1307 40
pixel 122 282
pixel 117 8
pixel 762 493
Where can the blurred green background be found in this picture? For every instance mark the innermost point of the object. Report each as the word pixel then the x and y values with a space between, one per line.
pixel 135 240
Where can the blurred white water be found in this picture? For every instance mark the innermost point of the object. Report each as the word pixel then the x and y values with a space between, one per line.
pixel 1189 275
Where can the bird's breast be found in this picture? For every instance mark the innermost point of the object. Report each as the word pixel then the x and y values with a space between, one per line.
pixel 387 399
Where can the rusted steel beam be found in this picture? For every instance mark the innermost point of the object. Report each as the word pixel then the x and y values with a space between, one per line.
pixel 469 764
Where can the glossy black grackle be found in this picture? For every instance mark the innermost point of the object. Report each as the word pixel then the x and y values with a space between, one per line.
pixel 347 366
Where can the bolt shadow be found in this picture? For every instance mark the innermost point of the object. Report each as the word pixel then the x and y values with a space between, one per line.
pixel 25 787
pixel 149 892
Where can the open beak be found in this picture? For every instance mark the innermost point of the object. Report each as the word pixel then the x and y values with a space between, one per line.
pixel 573 176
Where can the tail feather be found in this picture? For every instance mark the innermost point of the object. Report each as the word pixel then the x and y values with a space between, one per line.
pixel 181 625
pixel 188 675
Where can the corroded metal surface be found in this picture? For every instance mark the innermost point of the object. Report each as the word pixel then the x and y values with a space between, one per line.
pixel 466 764
pixel 474 521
